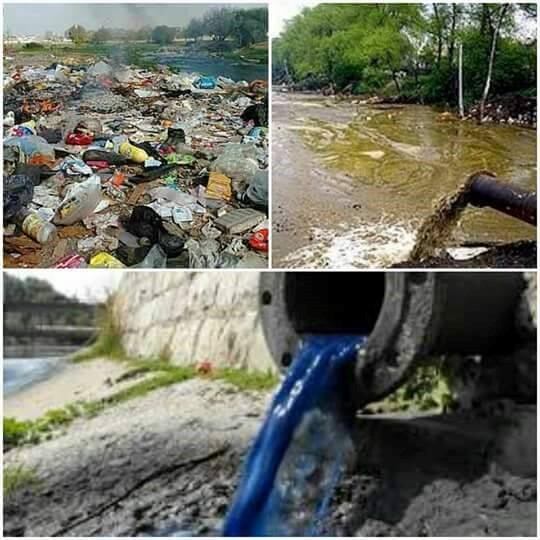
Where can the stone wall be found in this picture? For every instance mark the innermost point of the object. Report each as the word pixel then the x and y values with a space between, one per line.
pixel 192 317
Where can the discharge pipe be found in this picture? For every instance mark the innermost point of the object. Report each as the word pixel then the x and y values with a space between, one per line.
pixel 486 190
pixel 407 316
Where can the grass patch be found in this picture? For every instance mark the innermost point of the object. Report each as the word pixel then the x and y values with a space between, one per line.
pixel 247 380
pixel 254 54
pixel 16 477
pixel 17 432
pixel 109 341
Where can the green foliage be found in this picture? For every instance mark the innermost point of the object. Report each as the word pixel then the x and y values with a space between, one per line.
pixel 163 34
pixel 243 26
pixel 32 46
pixel 409 49
pixel 426 389
pixel 247 380
pixel 16 477
pixel 17 432
pixel 109 341
pixel 77 33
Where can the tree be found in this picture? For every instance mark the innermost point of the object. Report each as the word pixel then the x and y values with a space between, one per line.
pixel 194 30
pixel 102 35
pixel 503 10
pixel 77 33
pixel 163 34
pixel 219 23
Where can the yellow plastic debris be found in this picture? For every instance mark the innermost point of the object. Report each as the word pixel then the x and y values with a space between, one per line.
pixel 219 187
pixel 105 260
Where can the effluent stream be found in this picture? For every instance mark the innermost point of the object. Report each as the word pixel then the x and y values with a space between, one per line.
pixel 300 451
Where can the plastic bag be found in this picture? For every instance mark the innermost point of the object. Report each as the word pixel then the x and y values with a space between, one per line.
pixel 238 162
pixel 80 201
pixel 203 254
pixel 156 258
pixel 32 150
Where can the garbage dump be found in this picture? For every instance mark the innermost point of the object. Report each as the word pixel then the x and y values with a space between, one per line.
pixel 109 165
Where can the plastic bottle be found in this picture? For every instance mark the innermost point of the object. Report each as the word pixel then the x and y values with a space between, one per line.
pixel 126 149
pixel 37 228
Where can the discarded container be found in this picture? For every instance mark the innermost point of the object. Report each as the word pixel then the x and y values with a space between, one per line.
pixel 259 240
pixel 132 152
pixel 239 220
pixel 205 83
pixel 37 228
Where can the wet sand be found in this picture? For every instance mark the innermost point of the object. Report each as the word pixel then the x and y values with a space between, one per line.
pixel 90 380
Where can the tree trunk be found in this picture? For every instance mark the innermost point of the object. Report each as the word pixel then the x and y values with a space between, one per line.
pixel 439 34
pixel 396 82
pixel 502 13
pixel 452 45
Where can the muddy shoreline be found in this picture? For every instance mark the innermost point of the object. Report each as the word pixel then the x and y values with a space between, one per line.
pixel 512 109
pixel 168 464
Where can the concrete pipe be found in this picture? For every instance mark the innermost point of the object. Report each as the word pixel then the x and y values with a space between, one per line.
pixel 407 316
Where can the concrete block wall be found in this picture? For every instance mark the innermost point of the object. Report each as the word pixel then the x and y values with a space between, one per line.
pixel 193 317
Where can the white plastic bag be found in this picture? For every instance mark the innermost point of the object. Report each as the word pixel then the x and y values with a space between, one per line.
pixel 80 201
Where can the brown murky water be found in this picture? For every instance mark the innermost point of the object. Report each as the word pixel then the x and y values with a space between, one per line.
pixel 352 183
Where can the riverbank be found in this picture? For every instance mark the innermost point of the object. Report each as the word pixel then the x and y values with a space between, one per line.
pixel 168 464
pixel 512 109
pixel 88 381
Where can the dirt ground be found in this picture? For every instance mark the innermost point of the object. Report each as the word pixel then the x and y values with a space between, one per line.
pixel 168 464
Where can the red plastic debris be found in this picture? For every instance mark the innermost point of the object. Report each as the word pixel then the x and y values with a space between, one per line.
pixel 79 139
pixel 259 240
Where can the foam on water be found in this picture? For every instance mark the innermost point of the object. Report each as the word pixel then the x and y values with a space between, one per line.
pixel 298 455
pixel 379 244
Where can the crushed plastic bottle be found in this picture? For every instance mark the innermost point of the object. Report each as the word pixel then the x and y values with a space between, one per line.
pixel 300 451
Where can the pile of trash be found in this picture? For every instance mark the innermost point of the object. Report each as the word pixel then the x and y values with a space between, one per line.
pixel 114 166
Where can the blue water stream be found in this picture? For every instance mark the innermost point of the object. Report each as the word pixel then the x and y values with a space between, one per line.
pixel 298 454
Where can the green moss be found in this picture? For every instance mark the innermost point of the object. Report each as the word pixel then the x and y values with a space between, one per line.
pixel 426 389
pixel 16 477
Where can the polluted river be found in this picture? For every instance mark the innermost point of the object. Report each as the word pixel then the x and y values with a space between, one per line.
pixel 353 181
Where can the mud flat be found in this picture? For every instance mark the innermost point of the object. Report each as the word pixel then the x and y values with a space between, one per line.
pixel 168 464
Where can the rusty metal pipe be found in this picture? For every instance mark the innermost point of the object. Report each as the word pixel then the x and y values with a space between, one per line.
pixel 485 190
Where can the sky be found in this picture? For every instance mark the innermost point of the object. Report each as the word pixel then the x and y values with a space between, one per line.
pixel 283 10
pixel 32 19
pixel 86 285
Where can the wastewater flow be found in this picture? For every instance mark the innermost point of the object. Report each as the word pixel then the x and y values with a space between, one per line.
pixel 298 455
pixel 437 228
